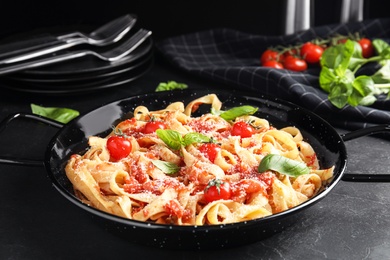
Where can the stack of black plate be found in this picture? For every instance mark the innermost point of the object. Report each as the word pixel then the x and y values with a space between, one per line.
pixel 83 74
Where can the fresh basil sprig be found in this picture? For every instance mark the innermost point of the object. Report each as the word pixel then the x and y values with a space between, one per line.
pixel 174 140
pixel 340 65
pixel 235 112
pixel 62 115
pixel 166 167
pixel 170 85
pixel 283 165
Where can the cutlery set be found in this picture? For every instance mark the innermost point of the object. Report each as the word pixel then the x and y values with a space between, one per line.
pixel 109 56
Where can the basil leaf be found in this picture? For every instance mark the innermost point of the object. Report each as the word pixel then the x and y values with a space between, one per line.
pixel 62 115
pixel 355 56
pixel 166 167
pixel 174 140
pixel 170 137
pixel 327 78
pixel 383 74
pixel 283 165
pixel 170 85
pixel 380 46
pixel 331 57
pixel 194 137
pixel 235 112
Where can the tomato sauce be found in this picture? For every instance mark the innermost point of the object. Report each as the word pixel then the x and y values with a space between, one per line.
pixel 311 160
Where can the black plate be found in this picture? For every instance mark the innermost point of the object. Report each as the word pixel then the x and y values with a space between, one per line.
pixel 72 138
pixel 80 87
pixel 75 80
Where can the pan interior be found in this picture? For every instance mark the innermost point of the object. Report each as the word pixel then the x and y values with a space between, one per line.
pixel 72 138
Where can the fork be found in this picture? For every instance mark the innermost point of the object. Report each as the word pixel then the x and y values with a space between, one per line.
pixel 104 35
pixel 112 55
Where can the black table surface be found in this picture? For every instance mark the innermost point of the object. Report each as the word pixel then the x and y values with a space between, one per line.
pixel 37 222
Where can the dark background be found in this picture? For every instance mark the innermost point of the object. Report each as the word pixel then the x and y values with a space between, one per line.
pixel 36 222
pixel 166 18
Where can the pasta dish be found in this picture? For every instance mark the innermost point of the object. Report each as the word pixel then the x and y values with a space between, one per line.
pixel 171 167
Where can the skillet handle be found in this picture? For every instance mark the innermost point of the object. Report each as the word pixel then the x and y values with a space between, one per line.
pixel 8 120
pixel 366 131
pixel 356 177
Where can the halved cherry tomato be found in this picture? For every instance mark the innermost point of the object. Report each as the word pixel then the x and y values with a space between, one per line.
pixel 367 47
pixel 118 146
pixel 273 64
pixel 152 126
pixel 217 190
pixel 210 150
pixel 245 187
pixel 243 129
pixel 311 52
pixel 269 55
pixel 294 64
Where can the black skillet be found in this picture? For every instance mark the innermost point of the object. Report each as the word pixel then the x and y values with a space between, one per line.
pixel 72 138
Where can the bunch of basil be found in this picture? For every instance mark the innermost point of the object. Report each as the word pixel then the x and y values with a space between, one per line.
pixel 339 77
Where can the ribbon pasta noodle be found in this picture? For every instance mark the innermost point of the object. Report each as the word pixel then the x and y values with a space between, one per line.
pixel 135 187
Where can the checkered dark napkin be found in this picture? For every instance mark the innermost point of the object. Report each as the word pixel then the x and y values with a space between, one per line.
pixel 233 57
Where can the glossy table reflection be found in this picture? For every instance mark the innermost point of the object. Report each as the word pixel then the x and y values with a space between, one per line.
pixel 36 222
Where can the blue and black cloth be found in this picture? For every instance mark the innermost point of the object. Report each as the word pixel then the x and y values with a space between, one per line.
pixel 233 57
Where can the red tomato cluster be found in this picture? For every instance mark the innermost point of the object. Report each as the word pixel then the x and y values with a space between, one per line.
pixel 295 59
pixel 119 146
pixel 300 57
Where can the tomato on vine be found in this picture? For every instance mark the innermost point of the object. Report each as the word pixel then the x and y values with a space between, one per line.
pixel 367 47
pixel 217 190
pixel 118 146
pixel 295 64
pixel 311 52
pixel 273 64
pixel 243 129
pixel 269 55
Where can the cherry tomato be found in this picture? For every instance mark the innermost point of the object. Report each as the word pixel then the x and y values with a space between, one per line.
pixel 210 150
pixel 152 126
pixel 217 190
pixel 311 52
pixel 118 146
pixel 294 64
pixel 367 47
pixel 242 129
pixel 273 64
pixel 269 55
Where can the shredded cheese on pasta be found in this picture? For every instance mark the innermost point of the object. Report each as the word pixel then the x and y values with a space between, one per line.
pixel 135 188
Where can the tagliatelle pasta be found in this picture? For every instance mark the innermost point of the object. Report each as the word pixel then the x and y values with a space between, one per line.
pixel 166 182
